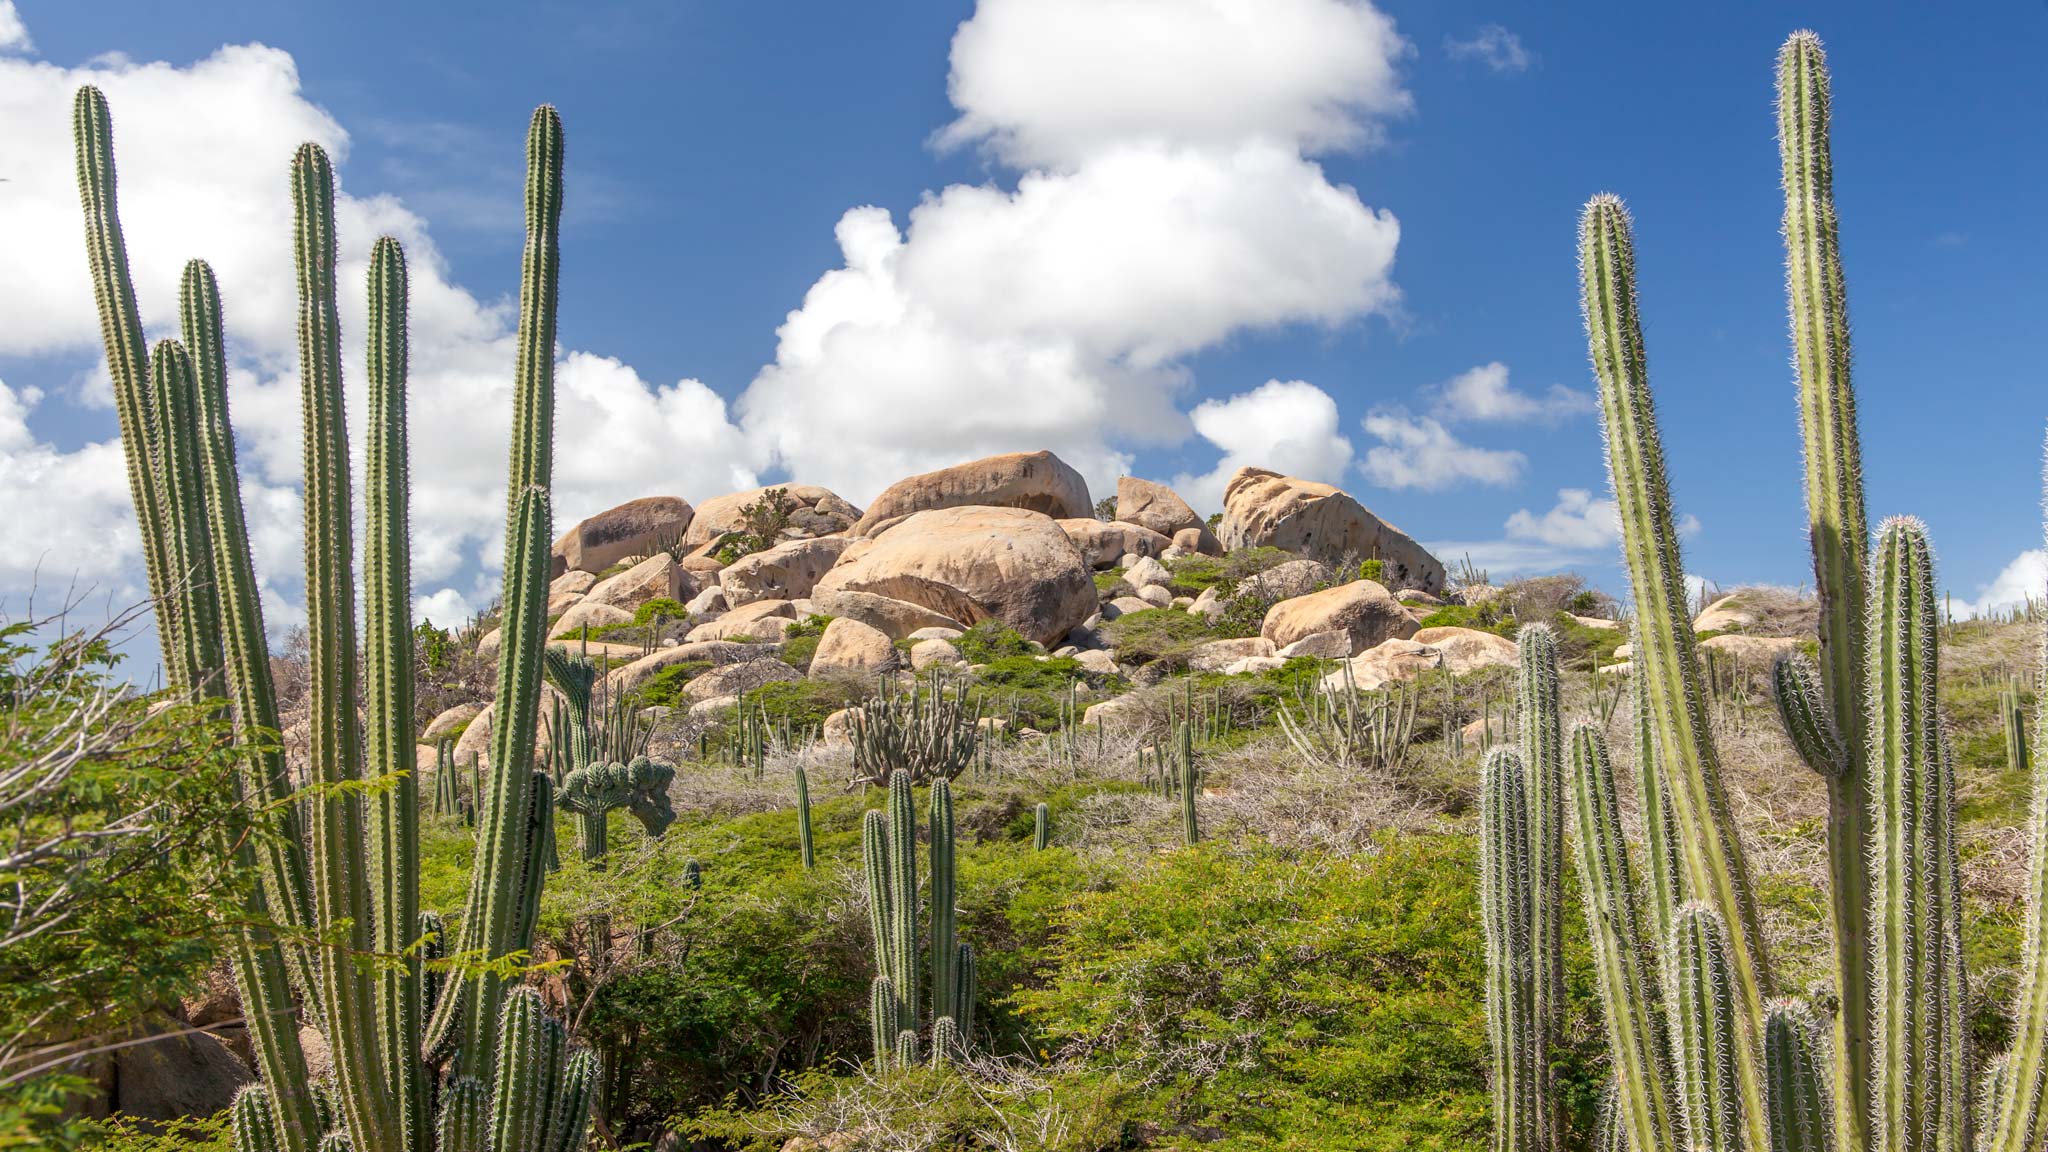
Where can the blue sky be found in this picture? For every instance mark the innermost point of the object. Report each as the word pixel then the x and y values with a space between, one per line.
pixel 713 148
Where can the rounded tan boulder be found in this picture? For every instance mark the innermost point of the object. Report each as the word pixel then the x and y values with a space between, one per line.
pixel 851 648
pixel 1154 506
pixel 629 677
pixel 1103 543
pixel 788 571
pixel 974 564
pixel 1468 649
pixel 588 614
pixel 737 679
pixel 449 720
pixel 651 579
pixel 1362 609
pixel 635 528
pixel 899 618
pixel 1038 481
pixel 1384 663
pixel 761 620
pixel 817 512
pixel 1265 509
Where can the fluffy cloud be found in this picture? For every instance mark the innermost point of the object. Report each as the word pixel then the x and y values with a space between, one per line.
pixel 1420 452
pixel 1161 197
pixel 1286 425
pixel 1579 529
pixel 13 33
pixel 1484 394
pixel 1167 201
pixel 616 436
pixel 1056 82
pixel 2022 580
pixel 1493 46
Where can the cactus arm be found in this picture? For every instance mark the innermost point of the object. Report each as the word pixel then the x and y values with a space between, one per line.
pixel 92 131
pixel 1817 301
pixel 1795 1087
pixel 2023 1074
pixel 518 1095
pixel 389 750
pixel 1701 1002
pixel 187 616
pixel 341 893
pixel 1640 1104
pixel 1505 915
pixel 570 1124
pixel 945 922
pixel 533 415
pixel 882 1019
pixel 1714 866
pixel 1914 934
pixel 464 1122
pixel 1541 736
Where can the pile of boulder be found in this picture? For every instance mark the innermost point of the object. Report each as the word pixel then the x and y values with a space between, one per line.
pixel 1012 538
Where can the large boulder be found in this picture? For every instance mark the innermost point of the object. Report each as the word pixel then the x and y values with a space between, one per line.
pixel 589 614
pixel 897 618
pixel 1728 614
pixel 629 677
pixel 1038 481
pixel 761 620
pixel 446 722
pixel 851 648
pixel 1153 506
pixel 1266 509
pixel 635 528
pixel 174 1076
pixel 656 577
pixel 974 564
pixel 1468 649
pixel 737 679
pixel 1362 609
pixel 1286 580
pixel 1390 660
pixel 1103 543
pixel 817 512
pixel 1216 655
pixel 573 582
pixel 788 571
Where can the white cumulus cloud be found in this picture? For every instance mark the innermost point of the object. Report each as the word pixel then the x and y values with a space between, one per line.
pixel 2025 578
pixel 1493 46
pixel 1484 394
pixel 14 35
pixel 1420 452
pixel 1289 426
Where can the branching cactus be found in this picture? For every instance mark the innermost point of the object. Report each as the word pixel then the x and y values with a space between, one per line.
pixel 350 878
pixel 889 851
pixel 592 793
pixel 930 732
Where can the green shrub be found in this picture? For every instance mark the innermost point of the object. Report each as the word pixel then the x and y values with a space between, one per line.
pixel 1027 689
pixel 664 607
pixel 804 703
pixel 800 643
pixel 1486 616
pixel 1374 570
pixel 1159 634
pixel 992 640
pixel 1287 1000
pixel 665 687
pixel 1193 573
pixel 1105 580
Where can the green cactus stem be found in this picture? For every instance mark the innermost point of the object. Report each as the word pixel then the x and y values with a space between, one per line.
pixel 1795 1085
pixel 1715 871
pixel 882 1019
pixel 806 847
pixel 1541 737
pixel 1505 890
pixel 1701 1003
pixel 1041 827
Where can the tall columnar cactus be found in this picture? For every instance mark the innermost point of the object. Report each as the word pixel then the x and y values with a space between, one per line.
pixel 1818 305
pixel 1505 903
pixel 355 892
pixel 1642 1105
pixel 447 781
pixel 1190 780
pixel 882 1019
pixel 1541 737
pixel 889 850
pixel 1699 998
pixel 1921 1090
pixel 806 849
pixel 2013 712
pixel 1795 1082
pixel 1715 871
pixel 1041 827
pixel 945 936
pixel 2019 1078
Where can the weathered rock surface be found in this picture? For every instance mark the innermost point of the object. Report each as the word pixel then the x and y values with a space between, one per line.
pixel 1197 540
pixel 574 580
pixel 818 512
pixel 1147 572
pixel 932 653
pixel 761 620
pixel 974 564
pixel 1154 506
pixel 590 614
pixel 1468 649
pixel 635 528
pixel 898 618
pixel 788 571
pixel 1287 580
pixel 1157 595
pixel 651 579
pixel 1334 644
pixel 628 677
pixel 851 648
pixel 1385 662
pixel 1103 543
pixel 1038 481
pixel 1217 655
pixel 1362 609
pixel 1263 508
pixel 1750 651
pixel 1723 615
pixel 448 720
pixel 735 679
pixel 173 1076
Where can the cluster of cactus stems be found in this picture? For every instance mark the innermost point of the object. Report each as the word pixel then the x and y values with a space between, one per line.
pixel 931 732
pixel 1345 729
pixel 340 878
pixel 889 852
pixel 447 780
pixel 1703 1055
pixel 586 737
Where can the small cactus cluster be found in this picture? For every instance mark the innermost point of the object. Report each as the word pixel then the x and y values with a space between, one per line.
pixel 889 851
pixel 594 791
pixel 930 732
pixel 1705 1055
pixel 447 779
pixel 340 878
pixel 1344 729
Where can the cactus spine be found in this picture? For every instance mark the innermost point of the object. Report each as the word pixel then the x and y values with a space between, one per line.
pixel 1505 894
pixel 1920 1088
pixel 1715 871
pixel 1817 301
pixel 1541 733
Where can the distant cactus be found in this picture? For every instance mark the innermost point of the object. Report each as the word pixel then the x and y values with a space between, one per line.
pixel 806 849
pixel 929 732
pixel 889 852
pixel 1041 827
